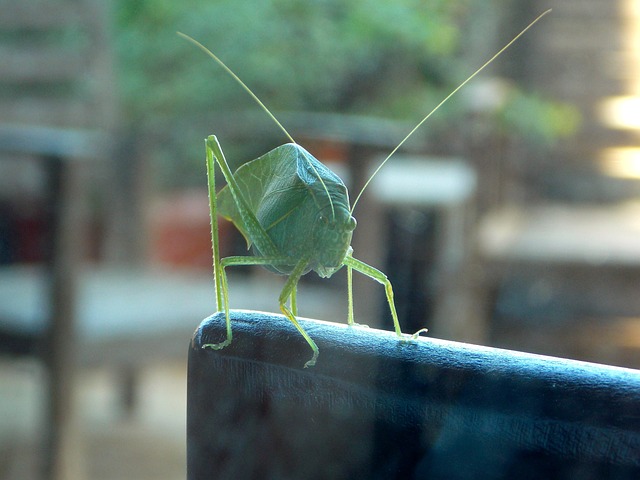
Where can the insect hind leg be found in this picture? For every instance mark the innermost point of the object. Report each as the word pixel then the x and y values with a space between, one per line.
pixel 222 302
pixel 223 293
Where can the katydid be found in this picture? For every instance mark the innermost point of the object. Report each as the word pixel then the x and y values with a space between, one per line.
pixel 295 215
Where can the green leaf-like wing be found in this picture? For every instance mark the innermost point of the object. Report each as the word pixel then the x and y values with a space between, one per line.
pixel 269 183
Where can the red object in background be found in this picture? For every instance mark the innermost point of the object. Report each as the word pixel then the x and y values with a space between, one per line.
pixel 327 151
pixel 31 237
pixel 181 231
pixel 23 232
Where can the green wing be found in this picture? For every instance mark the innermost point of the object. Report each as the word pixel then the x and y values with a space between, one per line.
pixel 269 182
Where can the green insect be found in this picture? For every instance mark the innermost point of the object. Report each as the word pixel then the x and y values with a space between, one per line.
pixel 295 216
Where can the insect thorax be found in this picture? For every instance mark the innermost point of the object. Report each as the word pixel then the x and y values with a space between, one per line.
pixel 322 236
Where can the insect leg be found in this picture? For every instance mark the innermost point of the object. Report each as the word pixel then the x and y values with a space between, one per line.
pixel 223 282
pixel 380 277
pixel 293 303
pixel 287 292
pixel 213 213
pixel 350 295
pixel 259 237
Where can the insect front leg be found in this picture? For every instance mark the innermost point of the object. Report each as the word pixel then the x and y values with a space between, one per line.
pixel 380 277
pixel 288 293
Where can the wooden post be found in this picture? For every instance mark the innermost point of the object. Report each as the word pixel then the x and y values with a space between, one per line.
pixel 62 456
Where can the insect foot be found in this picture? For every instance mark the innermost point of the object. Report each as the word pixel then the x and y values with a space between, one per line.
pixel 312 362
pixel 218 346
pixel 416 335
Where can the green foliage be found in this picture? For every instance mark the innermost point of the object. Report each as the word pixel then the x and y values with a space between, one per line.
pixel 298 55
pixel 387 58
pixel 540 121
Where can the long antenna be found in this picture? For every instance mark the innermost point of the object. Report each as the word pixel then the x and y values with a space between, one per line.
pixel 443 102
pixel 237 79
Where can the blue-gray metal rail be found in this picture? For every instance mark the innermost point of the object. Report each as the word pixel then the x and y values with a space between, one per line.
pixel 377 408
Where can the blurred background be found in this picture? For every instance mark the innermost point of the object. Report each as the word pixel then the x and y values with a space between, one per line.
pixel 511 219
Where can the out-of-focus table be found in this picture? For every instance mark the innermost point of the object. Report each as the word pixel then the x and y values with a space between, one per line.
pixel 131 316
pixel 581 265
